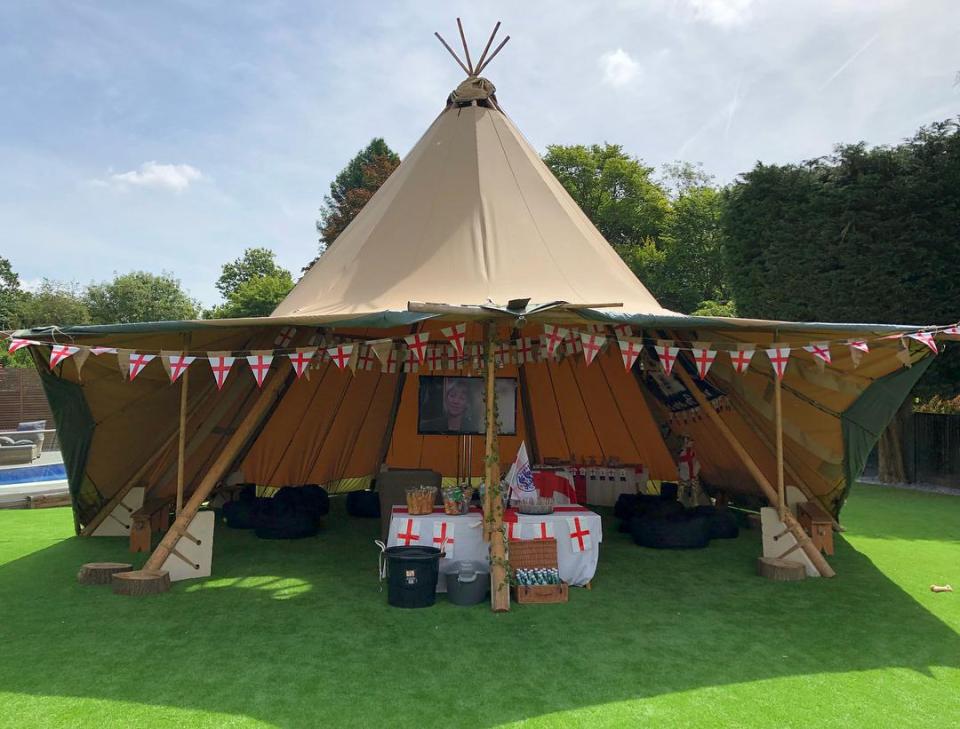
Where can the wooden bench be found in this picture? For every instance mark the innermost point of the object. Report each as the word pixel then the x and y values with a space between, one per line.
pixel 153 516
pixel 817 523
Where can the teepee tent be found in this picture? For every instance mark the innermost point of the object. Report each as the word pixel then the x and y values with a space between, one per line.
pixel 471 231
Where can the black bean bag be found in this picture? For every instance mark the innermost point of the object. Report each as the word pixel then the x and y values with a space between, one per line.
pixel 681 531
pixel 285 522
pixel 723 524
pixel 310 498
pixel 365 504
pixel 244 513
pixel 657 508
pixel 626 506
pixel 668 491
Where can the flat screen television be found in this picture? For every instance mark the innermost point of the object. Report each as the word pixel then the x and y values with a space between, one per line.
pixel 455 405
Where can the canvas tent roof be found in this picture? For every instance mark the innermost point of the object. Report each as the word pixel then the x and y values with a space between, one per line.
pixel 471 218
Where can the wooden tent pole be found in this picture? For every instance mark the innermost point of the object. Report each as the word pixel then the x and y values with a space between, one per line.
pixel 182 440
pixel 271 390
pixel 499 586
pixel 778 418
pixel 769 491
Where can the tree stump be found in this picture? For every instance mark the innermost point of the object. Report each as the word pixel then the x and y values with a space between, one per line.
pixel 141 582
pixel 780 569
pixel 100 573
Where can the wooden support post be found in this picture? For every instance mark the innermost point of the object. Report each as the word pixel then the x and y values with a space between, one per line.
pixel 778 427
pixel 182 440
pixel 499 585
pixel 273 389
pixel 768 490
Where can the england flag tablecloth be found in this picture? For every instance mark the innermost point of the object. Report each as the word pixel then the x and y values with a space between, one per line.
pixel 577 530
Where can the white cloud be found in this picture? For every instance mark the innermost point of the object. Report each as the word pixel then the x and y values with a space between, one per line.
pixel 723 13
pixel 159 176
pixel 618 67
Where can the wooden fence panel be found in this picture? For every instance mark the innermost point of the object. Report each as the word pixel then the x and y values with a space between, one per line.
pixel 22 398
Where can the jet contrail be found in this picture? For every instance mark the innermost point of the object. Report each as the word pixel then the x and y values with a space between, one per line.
pixel 850 60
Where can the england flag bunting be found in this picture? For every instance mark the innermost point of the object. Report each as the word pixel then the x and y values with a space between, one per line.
pixel 740 359
pixel 138 362
pixel 340 355
pixel 543 530
pixel 443 538
pixel 220 364
pixel 704 357
pixel 630 349
pixel 623 331
pixel 456 335
pixel 591 345
pixel 285 337
pixel 410 362
pixel 365 358
pixel 574 345
pixel 434 359
pixel 858 347
pixel 667 354
pixel 60 352
pixel 260 362
pixel 553 338
pixel 175 363
pixel 97 351
pixel 503 354
pixel 393 362
pixel 16 344
pixel 381 348
pixel 820 351
pixel 301 359
pixel 779 354
pixel 417 343
pixel 925 338
pixel 579 534
pixel 525 354
pixel 953 331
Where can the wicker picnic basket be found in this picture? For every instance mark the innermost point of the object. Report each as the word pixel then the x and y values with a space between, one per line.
pixel 530 554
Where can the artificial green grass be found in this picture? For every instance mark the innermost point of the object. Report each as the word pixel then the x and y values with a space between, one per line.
pixel 297 635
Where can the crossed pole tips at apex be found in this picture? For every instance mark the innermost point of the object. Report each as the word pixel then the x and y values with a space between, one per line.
pixel 483 62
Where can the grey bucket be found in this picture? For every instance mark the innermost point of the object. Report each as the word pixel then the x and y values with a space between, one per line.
pixel 469 585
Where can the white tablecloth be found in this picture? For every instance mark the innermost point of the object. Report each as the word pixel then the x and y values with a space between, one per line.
pixel 576 567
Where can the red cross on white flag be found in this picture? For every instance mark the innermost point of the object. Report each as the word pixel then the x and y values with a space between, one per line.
pixel 476 355
pixel 574 345
pixel 97 351
pixel 285 337
pixel 456 336
pixel 220 364
pixel 340 354
pixel 553 337
pixel 301 360
pixel 779 355
pixel 704 357
pixel 503 354
pixel 365 358
pixel 514 531
pixel 630 349
pixel 953 331
pixel 623 331
pixel 410 363
pixel 16 344
pixel 667 354
pixel 525 350
pixel 138 362
pixel 60 352
pixel 408 530
pixel 543 530
pixel 688 467
pixel 740 359
pixel 176 364
pixel 820 350
pixel 417 344
pixel 858 347
pixel 592 344
pixel 579 535
pixel 443 537
pixel 260 365
pixel 925 338
pixel 393 360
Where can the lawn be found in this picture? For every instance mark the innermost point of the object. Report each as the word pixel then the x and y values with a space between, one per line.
pixel 297 635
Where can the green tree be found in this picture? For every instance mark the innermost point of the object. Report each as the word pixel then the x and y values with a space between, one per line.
pixel 10 296
pixel 252 285
pixel 615 190
pixel 353 188
pixel 254 263
pixel 54 303
pixel 137 297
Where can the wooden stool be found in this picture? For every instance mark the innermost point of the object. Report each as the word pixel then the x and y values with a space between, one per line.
pixel 817 523
pixel 153 516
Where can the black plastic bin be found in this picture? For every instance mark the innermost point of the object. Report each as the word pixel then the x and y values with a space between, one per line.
pixel 412 574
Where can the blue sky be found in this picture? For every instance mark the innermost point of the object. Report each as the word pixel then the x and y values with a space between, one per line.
pixel 171 135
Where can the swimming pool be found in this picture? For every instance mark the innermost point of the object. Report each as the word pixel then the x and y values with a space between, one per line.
pixel 32 474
